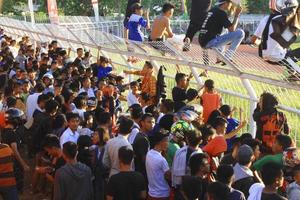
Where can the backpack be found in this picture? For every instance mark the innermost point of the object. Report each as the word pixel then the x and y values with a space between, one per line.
pixel 161 84
pixel 272 126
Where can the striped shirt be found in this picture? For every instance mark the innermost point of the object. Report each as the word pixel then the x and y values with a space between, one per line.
pixel 7 177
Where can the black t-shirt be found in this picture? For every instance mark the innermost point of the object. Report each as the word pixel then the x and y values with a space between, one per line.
pixel 9 136
pixel 126 185
pixel 192 187
pixel 140 146
pixel 228 160
pixel 213 25
pixel 274 196
pixel 199 9
pixel 179 94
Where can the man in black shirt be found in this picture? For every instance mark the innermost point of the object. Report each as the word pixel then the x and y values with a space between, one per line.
pixel 179 91
pixel 199 9
pixel 141 144
pixel 211 29
pixel 126 184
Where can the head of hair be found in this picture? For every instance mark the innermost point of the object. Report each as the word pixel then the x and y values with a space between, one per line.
pixel 269 101
pixel 251 143
pixel 194 137
pixel 11 102
pixel 59 121
pixel 218 191
pixel 245 136
pixel 209 84
pixel 103 136
pixel 71 116
pixel 125 126
pixel 220 121
pixel 152 109
pixel 126 155
pixel 166 122
pixel 226 110
pixel 134 83
pixel 50 141
pixel 39 87
pixel 103 59
pixel 79 49
pixel 103 118
pixel 179 77
pixel 191 94
pixel 149 64
pixel 79 101
pixel 284 141
pixel 146 115
pixel 206 131
pixel 70 150
pixel 225 174
pixel 51 106
pixel 270 172
pixel 168 104
pixel 196 162
pixel 167 7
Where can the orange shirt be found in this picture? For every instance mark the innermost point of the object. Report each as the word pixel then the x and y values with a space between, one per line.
pixel 148 83
pixel 7 177
pixel 210 102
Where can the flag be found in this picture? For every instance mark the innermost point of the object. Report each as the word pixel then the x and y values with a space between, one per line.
pixel 52 11
pixel 96 9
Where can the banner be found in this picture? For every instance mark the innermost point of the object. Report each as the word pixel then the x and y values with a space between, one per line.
pixel 52 11
pixel 30 6
pixel 96 9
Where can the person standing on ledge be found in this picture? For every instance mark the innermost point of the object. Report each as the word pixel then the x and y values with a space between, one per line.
pixel 161 27
pixel 210 32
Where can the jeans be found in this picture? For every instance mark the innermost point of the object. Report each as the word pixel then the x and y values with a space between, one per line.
pixel 233 38
pixel 9 193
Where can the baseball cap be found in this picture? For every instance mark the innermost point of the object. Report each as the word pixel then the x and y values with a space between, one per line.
pixel 47 75
pixel 136 6
pixel 92 102
pixel 245 154
pixel 220 2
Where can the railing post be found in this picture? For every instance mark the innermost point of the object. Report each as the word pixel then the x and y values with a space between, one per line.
pixel 253 97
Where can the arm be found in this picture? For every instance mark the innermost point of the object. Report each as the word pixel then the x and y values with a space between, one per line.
pixel 236 19
pixel 169 29
pixel 133 72
pixel 236 131
pixel 18 156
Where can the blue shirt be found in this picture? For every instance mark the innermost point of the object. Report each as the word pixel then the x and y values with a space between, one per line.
pixel 134 25
pixel 232 125
pixel 103 71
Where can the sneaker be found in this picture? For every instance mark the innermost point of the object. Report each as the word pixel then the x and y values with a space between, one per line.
pixel 186 46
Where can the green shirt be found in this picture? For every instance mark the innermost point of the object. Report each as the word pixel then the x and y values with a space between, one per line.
pixel 172 148
pixel 277 158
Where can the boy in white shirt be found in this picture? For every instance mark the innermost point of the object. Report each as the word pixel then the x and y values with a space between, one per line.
pixel 133 95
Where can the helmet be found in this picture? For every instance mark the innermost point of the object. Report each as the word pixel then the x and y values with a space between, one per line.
pixel 179 128
pixel 279 5
pixel 14 116
pixel 187 115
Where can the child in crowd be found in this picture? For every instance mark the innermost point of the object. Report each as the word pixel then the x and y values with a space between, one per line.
pixel 133 95
pixel 136 21
pixel 293 190
pixel 148 84
pixel 104 67
pixel 210 99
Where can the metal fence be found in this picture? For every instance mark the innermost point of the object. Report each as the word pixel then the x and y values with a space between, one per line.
pixel 113 25
pixel 240 81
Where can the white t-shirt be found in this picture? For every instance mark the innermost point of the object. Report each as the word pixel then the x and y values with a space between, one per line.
pixel 68 136
pixel 156 167
pixel 274 51
pixel 131 99
pixel 31 105
pixel 134 132
pixel 90 92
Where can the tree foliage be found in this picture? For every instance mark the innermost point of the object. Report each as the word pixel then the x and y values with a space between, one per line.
pixel 110 7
